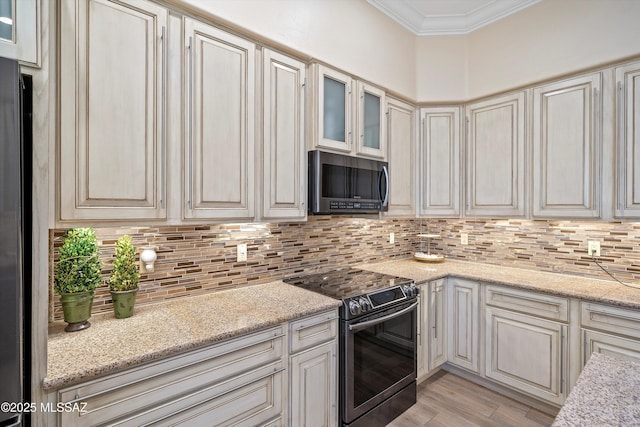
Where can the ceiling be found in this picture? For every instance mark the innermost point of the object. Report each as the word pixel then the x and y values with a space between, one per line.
pixel 442 17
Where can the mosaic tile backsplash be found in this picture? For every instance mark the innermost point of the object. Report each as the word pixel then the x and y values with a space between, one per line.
pixel 196 259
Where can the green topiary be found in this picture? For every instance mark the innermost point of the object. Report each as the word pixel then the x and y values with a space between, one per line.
pixel 78 268
pixel 125 275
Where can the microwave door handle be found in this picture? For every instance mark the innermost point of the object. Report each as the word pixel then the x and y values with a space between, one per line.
pixel 384 199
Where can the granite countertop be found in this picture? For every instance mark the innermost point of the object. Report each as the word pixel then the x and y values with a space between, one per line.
pixel 607 393
pixel 164 329
pixel 605 291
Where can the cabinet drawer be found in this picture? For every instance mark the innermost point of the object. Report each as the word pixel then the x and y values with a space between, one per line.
pixel 611 345
pixel 169 383
pixel 313 330
pixel 253 404
pixel 620 321
pixel 533 303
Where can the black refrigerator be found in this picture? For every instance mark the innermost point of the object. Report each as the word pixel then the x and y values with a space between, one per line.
pixel 15 241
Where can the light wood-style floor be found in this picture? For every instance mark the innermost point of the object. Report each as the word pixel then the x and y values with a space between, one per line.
pixel 448 400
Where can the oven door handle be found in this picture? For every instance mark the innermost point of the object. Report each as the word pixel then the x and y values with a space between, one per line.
pixel 364 325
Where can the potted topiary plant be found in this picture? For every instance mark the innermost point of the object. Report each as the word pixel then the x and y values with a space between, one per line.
pixel 123 282
pixel 77 274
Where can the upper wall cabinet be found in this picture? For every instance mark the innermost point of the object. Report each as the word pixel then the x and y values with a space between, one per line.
pixel 567 148
pixel 496 156
pixel 628 141
pixel 284 153
pixel 20 30
pixel 112 105
pixel 349 115
pixel 439 168
pixel 219 149
pixel 402 168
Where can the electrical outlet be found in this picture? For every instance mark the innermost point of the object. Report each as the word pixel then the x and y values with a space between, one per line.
pixel 594 247
pixel 464 239
pixel 392 238
pixel 242 252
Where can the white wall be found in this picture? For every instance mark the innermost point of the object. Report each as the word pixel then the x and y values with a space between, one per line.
pixel 551 38
pixel 441 69
pixel 348 34
pixel 547 40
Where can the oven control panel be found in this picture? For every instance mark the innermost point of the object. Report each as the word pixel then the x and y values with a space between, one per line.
pixel 378 300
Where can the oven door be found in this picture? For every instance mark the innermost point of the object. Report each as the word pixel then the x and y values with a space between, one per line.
pixel 378 358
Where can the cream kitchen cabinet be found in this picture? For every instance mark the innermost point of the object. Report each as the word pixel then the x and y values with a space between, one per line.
pixel 463 305
pixel 432 342
pixel 610 330
pixel 567 153
pixel 402 165
pixel 242 381
pixel 495 154
pixel 436 324
pixel 284 372
pixel 348 115
pixel 627 193
pixel 220 123
pixel 112 110
pixel 526 345
pixel 439 154
pixel 20 38
pixel 314 371
pixel 284 156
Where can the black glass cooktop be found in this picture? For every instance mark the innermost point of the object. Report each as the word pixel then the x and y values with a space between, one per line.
pixel 346 282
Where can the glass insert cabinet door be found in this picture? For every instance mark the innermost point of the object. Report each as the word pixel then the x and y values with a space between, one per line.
pixel 20 31
pixel 335 110
pixel 350 115
pixel 371 121
pixel 7 19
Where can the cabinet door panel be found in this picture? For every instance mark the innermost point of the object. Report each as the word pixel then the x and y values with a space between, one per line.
pixel 440 162
pixel 314 388
pixel 220 146
pixel 566 147
pixel 526 353
pixel 628 147
pixel 20 37
pixel 437 326
pixel 284 154
pixel 496 155
pixel 334 110
pixel 371 122
pixel 401 159
pixel 112 123
pixel 462 310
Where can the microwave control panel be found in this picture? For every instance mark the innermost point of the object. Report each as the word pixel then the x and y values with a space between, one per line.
pixel 354 205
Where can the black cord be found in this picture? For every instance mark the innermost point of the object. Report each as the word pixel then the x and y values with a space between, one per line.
pixel 611 275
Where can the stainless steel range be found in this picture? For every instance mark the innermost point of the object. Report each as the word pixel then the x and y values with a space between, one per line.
pixel 378 342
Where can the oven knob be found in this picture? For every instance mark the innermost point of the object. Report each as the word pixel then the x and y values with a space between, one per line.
pixel 354 308
pixel 416 290
pixel 407 290
pixel 364 305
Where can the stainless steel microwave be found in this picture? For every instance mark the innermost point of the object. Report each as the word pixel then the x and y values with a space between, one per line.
pixel 341 184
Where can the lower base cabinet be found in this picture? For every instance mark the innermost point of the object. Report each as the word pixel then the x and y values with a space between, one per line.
pixel 611 345
pixel 313 347
pixel 313 387
pixel 436 324
pixel 526 353
pixel 261 379
pixel 614 331
pixel 463 302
